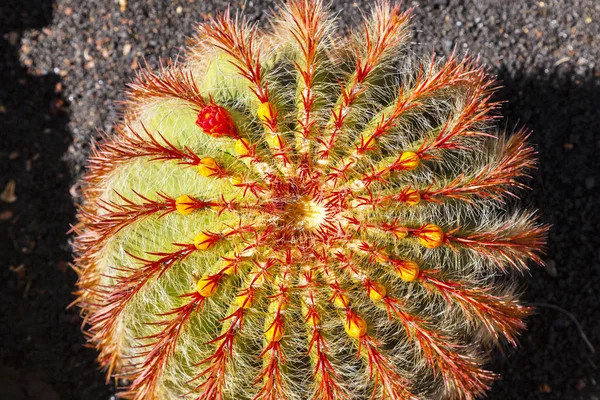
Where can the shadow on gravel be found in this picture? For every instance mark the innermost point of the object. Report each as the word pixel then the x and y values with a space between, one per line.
pixel 41 353
pixel 553 361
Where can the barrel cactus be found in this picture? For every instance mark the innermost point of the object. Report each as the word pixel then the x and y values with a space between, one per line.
pixel 299 214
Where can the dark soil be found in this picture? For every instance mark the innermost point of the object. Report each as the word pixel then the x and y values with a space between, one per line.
pixel 63 65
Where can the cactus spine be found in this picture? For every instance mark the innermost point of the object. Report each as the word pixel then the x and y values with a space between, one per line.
pixel 297 215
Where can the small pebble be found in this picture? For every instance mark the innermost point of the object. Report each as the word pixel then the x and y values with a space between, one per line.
pixel 127 49
pixel 8 194
pixel 6 215
pixel 545 388
pixel 13 38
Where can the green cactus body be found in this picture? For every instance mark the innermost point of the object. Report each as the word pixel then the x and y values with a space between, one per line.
pixel 297 215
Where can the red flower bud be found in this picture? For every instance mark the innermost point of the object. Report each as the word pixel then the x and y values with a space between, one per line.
pixel 216 121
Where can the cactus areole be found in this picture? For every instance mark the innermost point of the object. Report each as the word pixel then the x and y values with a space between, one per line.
pixel 293 214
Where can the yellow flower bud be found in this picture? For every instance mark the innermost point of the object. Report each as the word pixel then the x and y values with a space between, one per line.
pixel 368 142
pixel 377 291
pixel 229 270
pixel 400 233
pixel 274 305
pixel 244 300
pixel 207 287
pixel 274 332
pixel 203 241
pixel 242 146
pixel 355 326
pixel 264 111
pixel 236 179
pixel 431 236
pixel 313 319
pixel 408 161
pixel 341 300
pixel 381 256
pixel 407 270
pixel 273 141
pixel 413 197
pixel 207 166
pixel 257 278
pixel 184 204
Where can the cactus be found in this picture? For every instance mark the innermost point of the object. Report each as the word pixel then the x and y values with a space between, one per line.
pixel 294 214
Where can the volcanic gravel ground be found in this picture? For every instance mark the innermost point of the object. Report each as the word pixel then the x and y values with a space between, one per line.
pixel 63 66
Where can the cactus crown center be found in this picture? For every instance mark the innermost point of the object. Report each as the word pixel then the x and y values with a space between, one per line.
pixel 300 210
pixel 305 213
